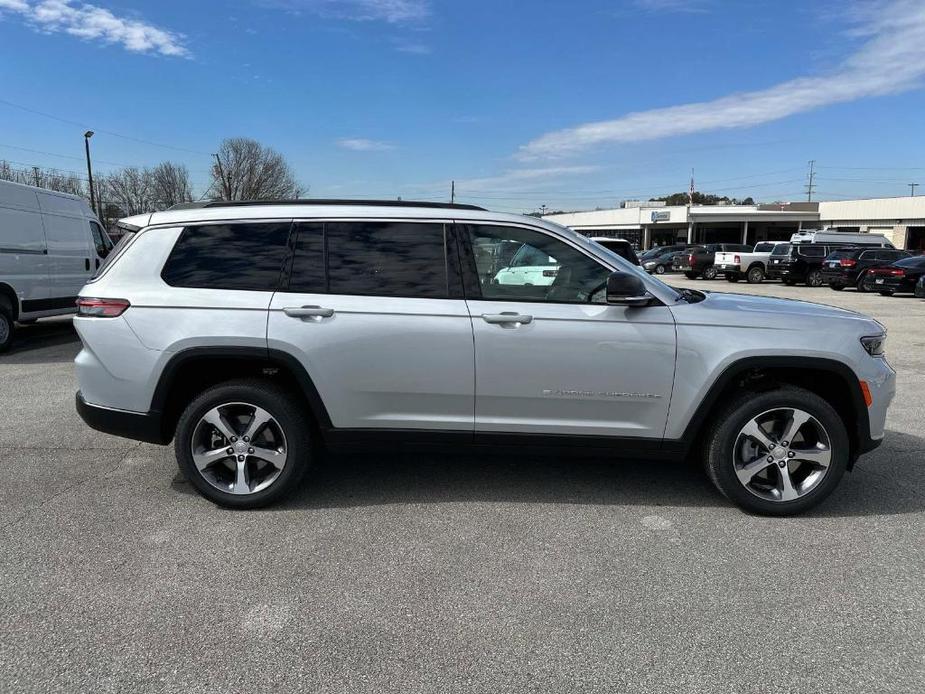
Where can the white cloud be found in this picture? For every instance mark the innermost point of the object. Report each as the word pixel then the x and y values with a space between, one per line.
pixel 514 177
pixel 390 11
pixel 361 144
pixel 891 61
pixel 91 22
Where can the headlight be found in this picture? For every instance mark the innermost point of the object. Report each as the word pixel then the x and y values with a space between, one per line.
pixel 874 345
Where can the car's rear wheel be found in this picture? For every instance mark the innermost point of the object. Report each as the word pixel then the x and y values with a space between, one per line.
pixel 755 275
pixel 7 328
pixel 860 283
pixel 709 273
pixel 814 279
pixel 243 444
pixel 777 453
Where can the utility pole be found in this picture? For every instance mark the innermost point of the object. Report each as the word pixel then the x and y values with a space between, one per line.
pixel 811 186
pixel 452 192
pixel 543 209
pixel 226 194
pixel 35 175
pixel 87 136
pixel 912 187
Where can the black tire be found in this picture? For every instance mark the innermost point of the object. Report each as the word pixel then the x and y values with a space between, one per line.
pixel 7 328
pixel 814 279
pixel 709 273
pixel 837 287
pixel 293 421
pixel 860 283
pixel 731 277
pixel 691 275
pixel 755 275
pixel 659 269
pixel 721 438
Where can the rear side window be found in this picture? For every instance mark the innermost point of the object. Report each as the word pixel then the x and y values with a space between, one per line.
pixel 228 256
pixel 813 251
pixel 779 249
pixel 397 259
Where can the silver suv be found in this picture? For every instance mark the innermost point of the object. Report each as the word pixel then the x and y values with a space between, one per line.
pixel 248 333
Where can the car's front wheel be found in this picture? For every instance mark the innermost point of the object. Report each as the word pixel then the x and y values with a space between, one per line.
pixel 7 328
pixel 659 269
pixel 814 279
pixel 777 453
pixel 243 444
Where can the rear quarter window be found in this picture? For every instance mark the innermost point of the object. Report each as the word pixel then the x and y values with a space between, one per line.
pixel 247 256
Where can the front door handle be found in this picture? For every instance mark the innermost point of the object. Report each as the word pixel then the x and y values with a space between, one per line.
pixel 308 312
pixel 507 318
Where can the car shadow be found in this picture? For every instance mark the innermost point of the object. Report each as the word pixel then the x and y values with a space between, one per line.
pixel 46 341
pixel 884 482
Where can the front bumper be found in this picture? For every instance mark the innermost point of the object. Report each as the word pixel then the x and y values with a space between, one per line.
pixel 129 425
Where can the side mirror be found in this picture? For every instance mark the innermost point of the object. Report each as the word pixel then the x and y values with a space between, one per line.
pixel 625 289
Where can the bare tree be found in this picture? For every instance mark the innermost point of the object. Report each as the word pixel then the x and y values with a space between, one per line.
pixel 246 170
pixel 170 185
pixel 52 179
pixel 129 189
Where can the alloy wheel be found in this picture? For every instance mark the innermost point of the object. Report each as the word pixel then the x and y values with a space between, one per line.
pixel 782 454
pixel 239 448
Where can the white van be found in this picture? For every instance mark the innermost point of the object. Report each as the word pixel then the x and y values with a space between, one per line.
pixel 51 244
pixel 831 236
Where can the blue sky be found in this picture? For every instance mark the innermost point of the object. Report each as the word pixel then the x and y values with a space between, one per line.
pixel 568 104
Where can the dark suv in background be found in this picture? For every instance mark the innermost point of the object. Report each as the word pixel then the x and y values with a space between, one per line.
pixel 846 267
pixel 799 262
pixel 698 262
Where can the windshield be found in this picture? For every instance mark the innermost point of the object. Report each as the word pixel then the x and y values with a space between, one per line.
pixel 781 249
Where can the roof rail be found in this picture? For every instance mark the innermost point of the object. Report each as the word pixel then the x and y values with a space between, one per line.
pixel 323 201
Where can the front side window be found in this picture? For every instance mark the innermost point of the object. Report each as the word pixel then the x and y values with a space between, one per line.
pixel 556 273
pixel 247 256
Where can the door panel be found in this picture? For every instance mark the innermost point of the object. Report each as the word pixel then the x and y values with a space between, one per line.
pixel 555 359
pixel 383 362
pixel 593 369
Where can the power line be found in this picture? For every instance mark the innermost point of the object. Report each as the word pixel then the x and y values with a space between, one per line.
pixel 100 130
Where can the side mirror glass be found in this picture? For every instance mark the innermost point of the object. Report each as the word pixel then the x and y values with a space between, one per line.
pixel 625 289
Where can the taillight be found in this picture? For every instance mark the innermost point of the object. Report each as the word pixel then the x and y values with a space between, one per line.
pixel 847 262
pixel 898 273
pixel 690 259
pixel 737 260
pixel 101 308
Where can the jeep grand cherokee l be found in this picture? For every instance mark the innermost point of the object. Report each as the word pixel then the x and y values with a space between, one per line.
pixel 247 333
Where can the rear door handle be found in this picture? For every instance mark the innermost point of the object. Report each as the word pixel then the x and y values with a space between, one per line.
pixel 507 318
pixel 308 312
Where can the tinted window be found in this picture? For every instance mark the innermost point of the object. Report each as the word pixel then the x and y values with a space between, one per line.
pixel 917 261
pixel 228 256
pixel 779 249
pixel 566 276
pixel 386 259
pixel 101 240
pixel 308 273
pixel 813 251
pixel 836 255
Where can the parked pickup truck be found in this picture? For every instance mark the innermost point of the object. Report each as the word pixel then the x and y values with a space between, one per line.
pixel 752 267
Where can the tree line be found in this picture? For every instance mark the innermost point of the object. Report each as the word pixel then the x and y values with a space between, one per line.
pixel 242 169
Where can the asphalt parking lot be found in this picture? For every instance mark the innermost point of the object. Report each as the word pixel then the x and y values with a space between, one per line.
pixel 447 572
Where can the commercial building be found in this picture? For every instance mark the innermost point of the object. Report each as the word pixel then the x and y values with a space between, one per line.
pixel 901 220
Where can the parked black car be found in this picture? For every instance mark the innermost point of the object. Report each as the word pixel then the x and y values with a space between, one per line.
pixel 660 263
pixel 897 278
pixel 698 261
pixel 847 267
pixel 799 262
pixel 621 247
